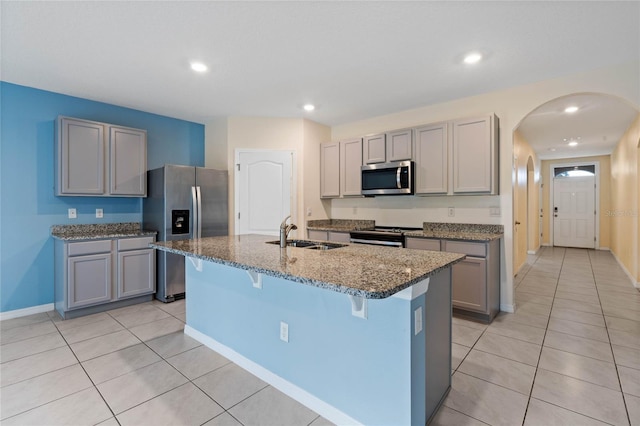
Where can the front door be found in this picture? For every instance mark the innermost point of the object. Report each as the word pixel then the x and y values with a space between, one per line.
pixel 574 211
pixel 264 191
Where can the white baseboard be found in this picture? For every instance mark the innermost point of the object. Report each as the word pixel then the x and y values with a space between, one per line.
pixel 507 308
pixel 635 283
pixel 532 251
pixel 17 313
pixel 327 411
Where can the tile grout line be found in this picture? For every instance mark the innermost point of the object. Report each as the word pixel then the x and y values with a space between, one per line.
pixel 535 374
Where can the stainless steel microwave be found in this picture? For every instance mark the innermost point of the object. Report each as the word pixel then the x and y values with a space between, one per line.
pixel 388 178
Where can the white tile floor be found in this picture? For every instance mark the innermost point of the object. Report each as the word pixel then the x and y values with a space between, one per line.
pixel 570 355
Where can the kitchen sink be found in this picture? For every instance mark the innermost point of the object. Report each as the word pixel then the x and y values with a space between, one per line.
pixel 311 245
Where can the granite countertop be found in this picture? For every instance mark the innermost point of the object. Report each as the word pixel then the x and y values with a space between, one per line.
pixel 99 231
pixel 372 272
pixel 340 225
pixel 459 231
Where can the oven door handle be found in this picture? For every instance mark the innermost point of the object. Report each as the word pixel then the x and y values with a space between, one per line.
pixel 376 242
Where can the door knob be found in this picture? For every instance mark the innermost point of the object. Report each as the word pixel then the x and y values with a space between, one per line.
pixel 517 223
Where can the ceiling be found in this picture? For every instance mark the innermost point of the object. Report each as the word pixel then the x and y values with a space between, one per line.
pixel 353 60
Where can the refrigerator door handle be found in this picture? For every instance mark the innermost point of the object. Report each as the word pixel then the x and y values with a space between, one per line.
pixel 195 211
pixel 199 197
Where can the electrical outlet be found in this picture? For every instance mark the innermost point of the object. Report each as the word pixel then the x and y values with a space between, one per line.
pixel 355 210
pixel 452 211
pixel 417 320
pixel 284 331
pixel 99 213
pixel 308 211
pixel 72 214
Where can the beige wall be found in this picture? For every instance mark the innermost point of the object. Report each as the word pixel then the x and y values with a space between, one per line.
pixel 625 232
pixel 510 105
pixel 525 200
pixel 603 193
pixel 223 137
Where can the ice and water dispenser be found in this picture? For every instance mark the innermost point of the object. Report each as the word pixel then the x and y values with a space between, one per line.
pixel 179 222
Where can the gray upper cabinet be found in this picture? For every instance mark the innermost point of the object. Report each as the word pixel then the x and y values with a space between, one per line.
pixel 89 164
pixel 128 160
pixel 330 170
pixel 399 145
pixel 475 155
pixel 374 149
pixel 431 159
pixel 80 166
pixel 350 162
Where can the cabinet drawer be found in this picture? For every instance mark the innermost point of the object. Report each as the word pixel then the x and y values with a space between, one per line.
pixel 134 243
pixel 472 249
pixel 89 247
pixel 339 237
pixel 422 244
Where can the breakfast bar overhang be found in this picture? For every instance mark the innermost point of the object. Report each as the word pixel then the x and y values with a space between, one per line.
pixel 361 335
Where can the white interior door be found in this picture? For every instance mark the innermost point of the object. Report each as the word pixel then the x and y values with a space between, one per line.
pixel 574 211
pixel 263 191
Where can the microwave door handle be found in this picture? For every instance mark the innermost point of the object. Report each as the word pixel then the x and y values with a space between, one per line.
pixel 398 178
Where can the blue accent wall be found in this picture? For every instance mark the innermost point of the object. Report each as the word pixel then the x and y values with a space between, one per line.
pixel 28 206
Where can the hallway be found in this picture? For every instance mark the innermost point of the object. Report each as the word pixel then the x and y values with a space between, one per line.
pixel 569 355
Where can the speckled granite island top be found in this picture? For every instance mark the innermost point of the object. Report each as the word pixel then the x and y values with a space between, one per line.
pixel 368 271
pixel 99 231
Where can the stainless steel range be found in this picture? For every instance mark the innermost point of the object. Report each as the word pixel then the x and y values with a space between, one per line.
pixel 390 236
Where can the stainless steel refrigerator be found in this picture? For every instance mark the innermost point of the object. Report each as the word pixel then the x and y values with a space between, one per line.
pixel 183 202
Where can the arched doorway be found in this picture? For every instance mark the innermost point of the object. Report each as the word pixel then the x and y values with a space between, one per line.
pixel 544 134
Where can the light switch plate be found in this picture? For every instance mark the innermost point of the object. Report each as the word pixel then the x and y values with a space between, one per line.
pixel 99 213
pixel 72 214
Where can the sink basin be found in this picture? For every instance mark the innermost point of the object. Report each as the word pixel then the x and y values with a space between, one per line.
pixel 311 245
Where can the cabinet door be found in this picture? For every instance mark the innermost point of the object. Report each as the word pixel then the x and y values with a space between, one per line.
pixel 128 162
pixel 374 149
pixel 136 273
pixel 350 163
pixel 473 152
pixel 400 145
pixel 317 235
pixel 432 159
pixel 88 280
pixel 338 237
pixel 81 157
pixel 330 170
pixel 469 282
pixel 422 243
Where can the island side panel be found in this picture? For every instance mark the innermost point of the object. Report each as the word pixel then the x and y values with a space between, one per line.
pixel 361 367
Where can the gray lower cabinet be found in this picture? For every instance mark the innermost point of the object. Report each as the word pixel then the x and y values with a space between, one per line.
pixel 475 280
pixel 334 236
pixel 89 273
pixel 136 267
pixel 96 275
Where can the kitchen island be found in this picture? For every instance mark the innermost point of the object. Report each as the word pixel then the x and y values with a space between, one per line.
pixel 360 334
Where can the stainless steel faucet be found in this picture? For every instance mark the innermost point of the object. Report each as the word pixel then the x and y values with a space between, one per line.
pixel 284 231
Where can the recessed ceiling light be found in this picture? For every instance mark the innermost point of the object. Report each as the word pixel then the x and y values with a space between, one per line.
pixel 472 58
pixel 552 149
pixel 198 67
pixel 309 107
pixel 573 143
pixel 571 109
